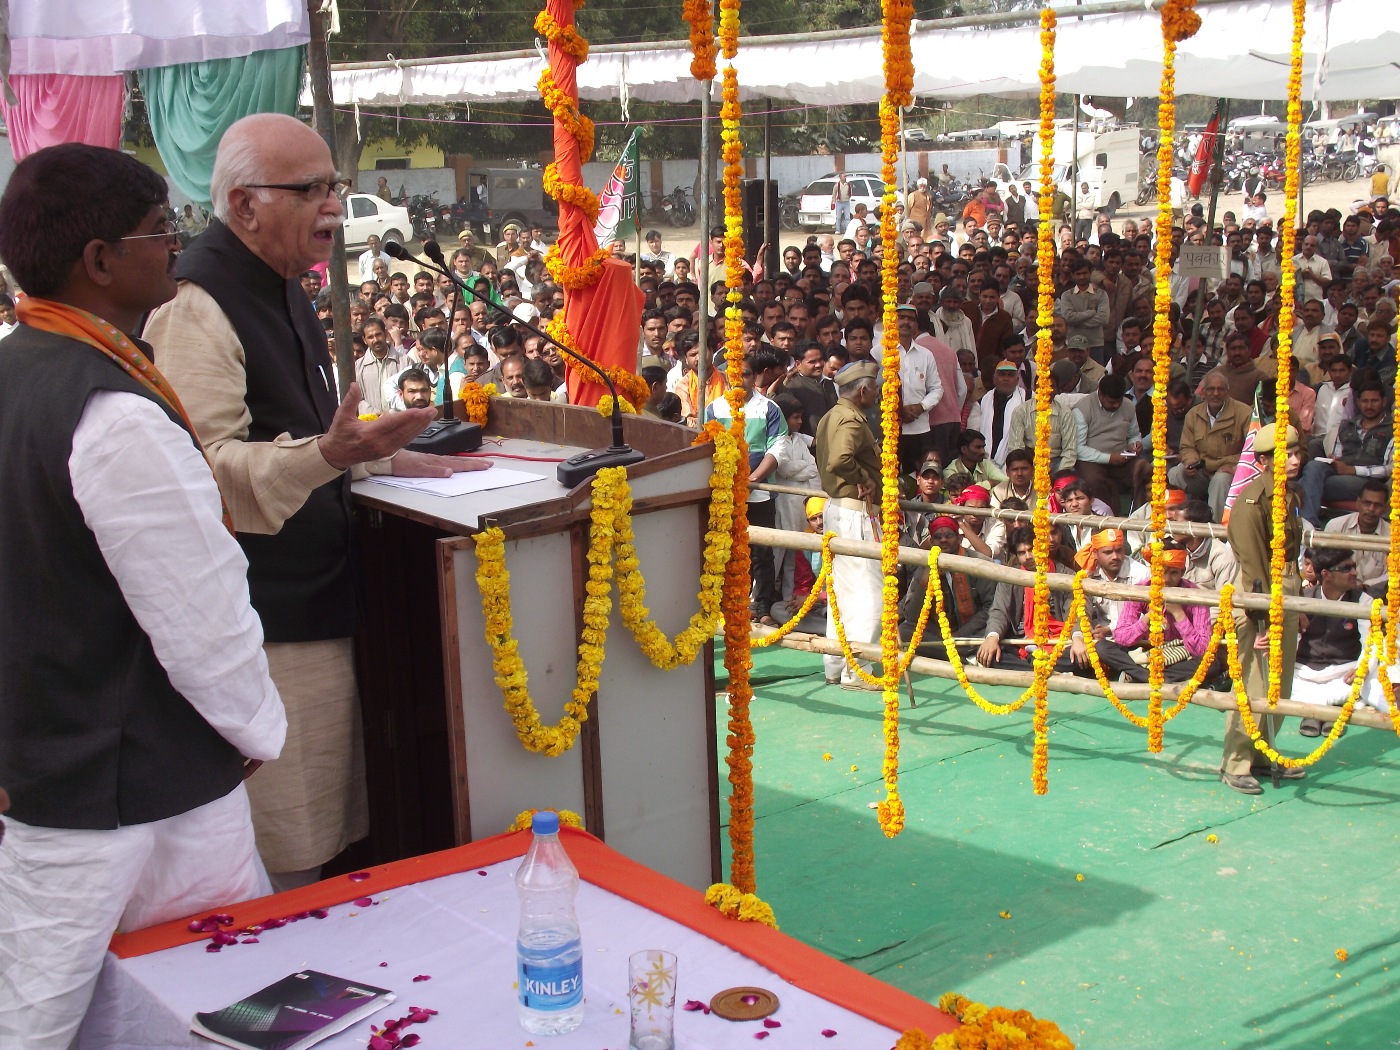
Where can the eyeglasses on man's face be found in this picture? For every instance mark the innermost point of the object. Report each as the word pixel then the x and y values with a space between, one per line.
pixel 168 230
pixel 312 192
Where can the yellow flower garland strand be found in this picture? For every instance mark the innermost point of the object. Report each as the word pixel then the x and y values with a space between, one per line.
pixel 736 904
pixel 525 819
pixel 493 580
pixel 737 584
pixel 567 38
pixel 1044 345
pixel 663 652
pixel 1178 22
pixel 1284 382
pixel 700 16
pixel 476 400
pixel 1251 726
pixel 988 1026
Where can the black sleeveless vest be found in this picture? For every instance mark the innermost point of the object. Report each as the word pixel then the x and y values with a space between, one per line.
pixel 300 579
pixel 92 733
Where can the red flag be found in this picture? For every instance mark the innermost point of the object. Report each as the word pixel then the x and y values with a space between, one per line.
pixel 1200 166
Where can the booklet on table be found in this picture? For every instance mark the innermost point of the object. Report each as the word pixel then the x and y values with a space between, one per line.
pixel 291 1014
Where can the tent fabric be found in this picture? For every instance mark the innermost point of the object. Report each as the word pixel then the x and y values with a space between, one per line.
pixel 52 108
pixel 192 105
pixel 79 37
pixel 1241 51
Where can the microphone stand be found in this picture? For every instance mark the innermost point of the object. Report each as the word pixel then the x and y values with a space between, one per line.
pixel 575 469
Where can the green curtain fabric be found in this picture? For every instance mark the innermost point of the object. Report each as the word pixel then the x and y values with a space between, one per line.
pixel 192 105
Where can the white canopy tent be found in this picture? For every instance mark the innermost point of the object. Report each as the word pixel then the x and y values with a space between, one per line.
pixel 1112 49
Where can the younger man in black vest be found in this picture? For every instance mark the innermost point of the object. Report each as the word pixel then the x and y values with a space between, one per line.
pixel 134 694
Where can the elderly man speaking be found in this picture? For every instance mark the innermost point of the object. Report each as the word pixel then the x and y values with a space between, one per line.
pixel 242 346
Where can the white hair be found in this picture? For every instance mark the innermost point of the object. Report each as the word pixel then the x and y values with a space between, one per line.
pixel 852 388
pixel 241 158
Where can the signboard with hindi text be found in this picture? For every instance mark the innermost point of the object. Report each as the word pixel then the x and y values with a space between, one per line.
pixel 1198 261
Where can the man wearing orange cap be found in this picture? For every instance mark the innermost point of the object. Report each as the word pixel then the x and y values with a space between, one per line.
pixel 1186 625
pixel 1251 534
pixel 1105 557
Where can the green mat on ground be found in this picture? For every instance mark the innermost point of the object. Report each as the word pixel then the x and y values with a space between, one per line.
pixel 1168 941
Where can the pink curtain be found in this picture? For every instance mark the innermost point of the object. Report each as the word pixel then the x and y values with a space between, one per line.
pixel 55 107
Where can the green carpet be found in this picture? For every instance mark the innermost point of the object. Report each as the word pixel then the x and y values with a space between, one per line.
pixel 1169 940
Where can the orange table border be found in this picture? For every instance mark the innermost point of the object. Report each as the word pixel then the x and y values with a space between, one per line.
pixel 803 966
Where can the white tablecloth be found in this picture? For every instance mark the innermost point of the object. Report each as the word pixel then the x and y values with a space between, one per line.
pixel 460 931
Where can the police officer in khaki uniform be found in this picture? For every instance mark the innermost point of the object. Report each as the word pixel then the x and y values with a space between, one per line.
pixel 848 462
pixel 1251 534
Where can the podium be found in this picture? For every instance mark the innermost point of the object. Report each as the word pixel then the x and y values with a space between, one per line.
pixel 444 764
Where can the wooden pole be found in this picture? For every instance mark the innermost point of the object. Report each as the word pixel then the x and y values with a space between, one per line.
pixel 1311 537
pixel 915 557
pixel 1068 683
pixel 323 119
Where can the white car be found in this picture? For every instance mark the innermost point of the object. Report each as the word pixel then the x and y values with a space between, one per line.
pixel 814 207
pixel 366 214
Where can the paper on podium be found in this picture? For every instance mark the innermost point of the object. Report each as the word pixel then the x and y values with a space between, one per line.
pixel 462 483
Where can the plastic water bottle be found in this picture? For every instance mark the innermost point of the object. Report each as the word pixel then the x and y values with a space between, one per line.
pixel 549 956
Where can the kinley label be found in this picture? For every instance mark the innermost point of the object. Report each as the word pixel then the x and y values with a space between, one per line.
pixel 550 987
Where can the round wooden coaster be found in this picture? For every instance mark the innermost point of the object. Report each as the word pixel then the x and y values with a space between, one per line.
pixel 744 1004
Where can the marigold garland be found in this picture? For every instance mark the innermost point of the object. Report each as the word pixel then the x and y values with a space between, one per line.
pixel 1044 345
pixel 579 196
pixel 605 406
pixel 1284 382
pixel 566 112
pixel 1373 644
pixel 525 819
pixel 567 38
pixel 493 580
pixel 700 16
pixel 1178 22
pixel 736 904
pixel 663 652
pixel 989 1027
pixel 572 278
pixel 476 400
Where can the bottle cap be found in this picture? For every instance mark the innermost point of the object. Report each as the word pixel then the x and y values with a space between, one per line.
pixel 545 822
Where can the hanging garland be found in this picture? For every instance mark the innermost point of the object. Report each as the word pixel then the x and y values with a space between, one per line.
pixel 899 85
pixel 1179 22
pixel 493 580
pixel 1044 346
pixel 476 401
pixel 700 16
pixel 1284 382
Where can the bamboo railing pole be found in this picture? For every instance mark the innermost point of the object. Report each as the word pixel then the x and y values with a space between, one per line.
pixel 1312 537
pixel 913 556
pixel 1065 683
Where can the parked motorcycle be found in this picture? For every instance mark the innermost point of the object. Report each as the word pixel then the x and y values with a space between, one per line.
pixel 680 210
pixel 423 215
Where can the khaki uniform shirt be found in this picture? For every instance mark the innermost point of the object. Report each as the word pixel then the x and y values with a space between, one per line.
pixel 847 456
pixel 1251 532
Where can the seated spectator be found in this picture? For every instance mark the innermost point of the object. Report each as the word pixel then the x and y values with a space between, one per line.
pixel 1210 563
pixel 974 545
pixel 1105 559
pixel 1362 450
pixel 972 460
pixel 1242 375
pixel 1090 371
pixel 1108 440
pixel 1179 401
pixel 1010 620
pixel 1064 443
pixel 1212 436
pixel 1189 626
pixel 967 599
pixel 1368 519
pixel 538 379
pixel 1330 646
pixel 1333 404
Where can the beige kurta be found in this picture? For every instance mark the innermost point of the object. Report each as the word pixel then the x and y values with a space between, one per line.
pixel 310 803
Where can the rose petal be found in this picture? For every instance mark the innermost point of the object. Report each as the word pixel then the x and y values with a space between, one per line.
pixel 692 1005
pixel 223 937
pixel 828 1032
pixel 213 948
pixel 362 902
pixel 760 1035
pixel 748 1000
pixel 422 977
pixel 383 964
pixel 393 1025
pixel 416 1016
pixel 378 1042
pixel 319 913
pixel 224 919
pixel 481 873
pixel 768 1022
pixel 196 926
pixel 411 1039
pixel 249 940
pixel 358 876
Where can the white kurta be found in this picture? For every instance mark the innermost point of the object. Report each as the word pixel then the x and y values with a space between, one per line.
pixel 149 498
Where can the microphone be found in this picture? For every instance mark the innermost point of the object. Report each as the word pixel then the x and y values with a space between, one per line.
pixel 577 468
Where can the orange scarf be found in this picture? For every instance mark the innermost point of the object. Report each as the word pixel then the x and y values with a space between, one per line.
pixel 83 327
